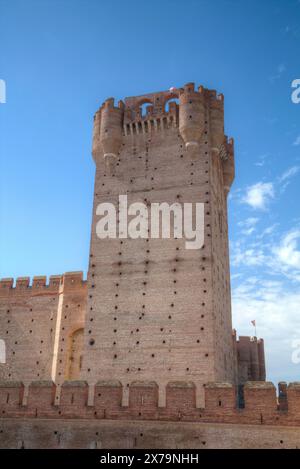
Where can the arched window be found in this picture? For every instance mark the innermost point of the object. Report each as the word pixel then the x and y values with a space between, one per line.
pixel 169 101
pixel 142 107
pixel 2 352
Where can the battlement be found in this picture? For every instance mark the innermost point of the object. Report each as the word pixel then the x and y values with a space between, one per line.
pixel 186 108
pixel 109 103
pixel 163 106
pixel 221 406
pixel 39 283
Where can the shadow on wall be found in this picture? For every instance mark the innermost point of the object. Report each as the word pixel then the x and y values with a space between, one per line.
pixel 74 360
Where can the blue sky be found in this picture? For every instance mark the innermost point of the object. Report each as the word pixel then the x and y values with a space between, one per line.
pixel 60 60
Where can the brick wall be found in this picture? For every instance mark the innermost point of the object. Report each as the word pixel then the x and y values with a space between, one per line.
pixel 117 434
pixel 261 404
pixel 37 323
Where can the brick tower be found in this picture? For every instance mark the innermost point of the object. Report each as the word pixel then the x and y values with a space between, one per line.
pixel 156 310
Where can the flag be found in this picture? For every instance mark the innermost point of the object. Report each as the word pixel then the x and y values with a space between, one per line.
pixel 253 322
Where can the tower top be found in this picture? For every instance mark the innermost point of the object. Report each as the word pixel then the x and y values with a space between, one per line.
pixel 185 107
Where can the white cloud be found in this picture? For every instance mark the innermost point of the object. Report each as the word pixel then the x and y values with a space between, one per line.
pixel 280 70
pixel 235 276
pixel 276 257
pixel 286 177
pixel 288 252
pixel 251 221
pixel 248 256
pixel 262 159
pixel 268 231
pixel 248 225
pixel 258 195
pixel 248 231
pixel 289 173
pixel 297 141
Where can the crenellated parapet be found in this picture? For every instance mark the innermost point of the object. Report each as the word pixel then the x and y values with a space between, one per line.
pixel 198 115
pixel 24 285
pixel 72 281
pixel 39 284
pixel 261 404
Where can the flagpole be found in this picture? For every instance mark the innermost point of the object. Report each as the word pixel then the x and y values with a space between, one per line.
pixel 253 322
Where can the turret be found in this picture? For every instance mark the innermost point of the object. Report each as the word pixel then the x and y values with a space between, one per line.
pixel 191 116
pixel 96 146
pixel 216 107
pixel 228 165
pixel 107 134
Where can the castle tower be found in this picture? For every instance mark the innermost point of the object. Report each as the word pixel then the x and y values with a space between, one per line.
pixel 156 310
